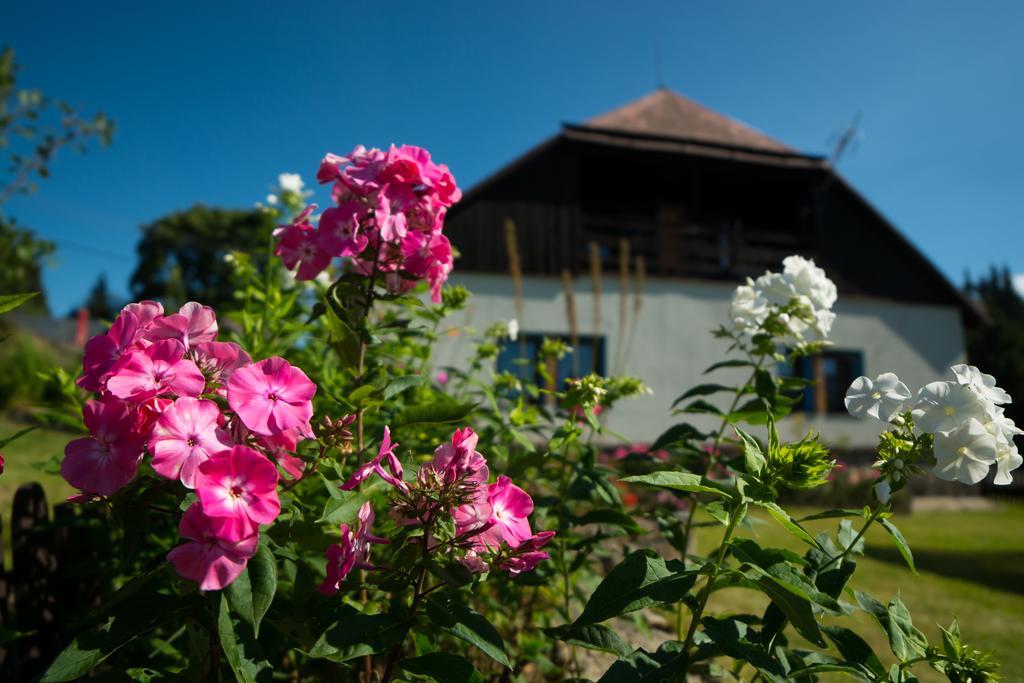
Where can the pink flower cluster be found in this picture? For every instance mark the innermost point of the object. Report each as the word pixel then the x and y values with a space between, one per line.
pixel 492 527
pixel 388 219
pixel 209 417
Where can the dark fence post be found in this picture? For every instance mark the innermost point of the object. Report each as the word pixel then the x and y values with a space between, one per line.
pixel 31 579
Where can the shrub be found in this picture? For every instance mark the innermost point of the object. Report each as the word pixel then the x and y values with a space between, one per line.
pixel 344 512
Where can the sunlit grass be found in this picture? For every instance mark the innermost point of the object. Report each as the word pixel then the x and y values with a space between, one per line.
pixel 970 564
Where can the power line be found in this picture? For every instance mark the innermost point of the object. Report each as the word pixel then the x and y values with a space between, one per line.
pixel 96 251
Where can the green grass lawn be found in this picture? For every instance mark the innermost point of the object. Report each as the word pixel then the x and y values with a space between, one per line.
pixel 25 460
pixel 970 565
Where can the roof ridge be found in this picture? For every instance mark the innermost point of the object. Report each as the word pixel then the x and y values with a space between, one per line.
pixel 666 113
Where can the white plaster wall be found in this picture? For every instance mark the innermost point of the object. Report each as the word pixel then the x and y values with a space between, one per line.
pixel 669 343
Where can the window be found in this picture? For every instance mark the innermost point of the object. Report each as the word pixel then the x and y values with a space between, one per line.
pixel 831 372
pixel 520 358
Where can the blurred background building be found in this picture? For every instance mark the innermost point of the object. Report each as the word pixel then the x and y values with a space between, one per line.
pixel 648 216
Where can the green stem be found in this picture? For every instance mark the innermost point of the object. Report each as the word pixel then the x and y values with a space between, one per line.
pixel 396 651
pixel 875 514
pixel 735 515
pixel 715 444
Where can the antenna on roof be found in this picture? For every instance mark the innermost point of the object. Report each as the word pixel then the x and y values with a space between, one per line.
pixel 659 76
pixel 849 135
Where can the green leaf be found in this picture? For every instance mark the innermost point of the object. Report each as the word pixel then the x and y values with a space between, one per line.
pixel 747 550
pixel 17 435
pixel 641 580
pixel 473 628
pixel 901 543
pixel 905 640
pixel 733 637
pixel 342 509
pixel 242 654
pixel 702 390
pixel 680 481
pixel 360 394
pixel 129 621
pixel 609 516
pixel 764 385
pixel 753 459
pixel 356 635
pixel 400 384
pixel 8 302
pixel 913 643
pixel 783 518
pixel 854 649
pixel 701 406
pixel 591 636
pixel 432 413
pixel 252 592
pixel 443 667
pixel 735 363
pixel 793 603
pixel 830 514
pixel 753 411
pixel 343 338
pixel 679 433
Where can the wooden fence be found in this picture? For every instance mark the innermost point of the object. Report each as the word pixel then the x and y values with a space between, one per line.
pixel 48 587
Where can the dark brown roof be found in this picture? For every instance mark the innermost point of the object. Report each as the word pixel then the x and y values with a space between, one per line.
pixel 665 113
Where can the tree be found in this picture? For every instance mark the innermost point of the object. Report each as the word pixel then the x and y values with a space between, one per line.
pixel 182 256
pixel 998 349
pixel 33 129
pixel 23 256
pixel 98 302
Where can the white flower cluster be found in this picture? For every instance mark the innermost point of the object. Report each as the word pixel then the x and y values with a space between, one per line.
pixel 965 415
pixel 801 288
pixel 289 185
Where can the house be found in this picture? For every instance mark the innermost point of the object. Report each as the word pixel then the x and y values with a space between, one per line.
pixel 693 202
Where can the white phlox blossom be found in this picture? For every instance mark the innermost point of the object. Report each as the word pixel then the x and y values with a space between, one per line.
pixel 291 182
pixel 965 454
pixel 513 329
pixel 944 406
pixel 970 429
pixel 882 398
pixel 801 284
pixel 981 384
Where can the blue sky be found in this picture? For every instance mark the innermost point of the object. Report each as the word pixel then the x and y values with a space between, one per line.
pixel 214 99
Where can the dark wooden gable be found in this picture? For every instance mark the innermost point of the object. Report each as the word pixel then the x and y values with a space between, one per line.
pixel 693 208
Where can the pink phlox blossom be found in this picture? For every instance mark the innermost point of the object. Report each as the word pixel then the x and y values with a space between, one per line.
pixel 104 350
pixel 145 312
pixel 391 223
pixel 392 473
pixel 186 435
pixel 510 507
pixel 339 232
pixel 353 552
pixel 218 361
pixel 282 447
pixel 108 459
pixel 459 459
pixel 298 247
pixel 528 554
pixel 211 558
pixel 156 370
pixel 271 396
pixel 149 411
pixel 474 562
pixel 239 484
pixel 193 324
pixel 330 168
